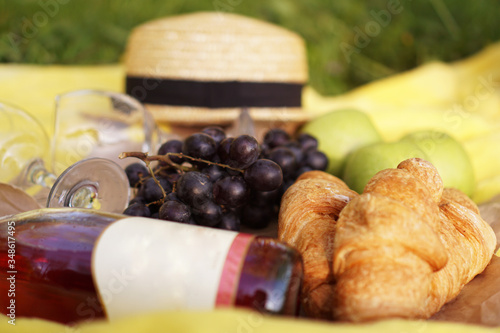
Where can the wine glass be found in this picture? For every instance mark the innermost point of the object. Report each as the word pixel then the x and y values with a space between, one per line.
pixel 92 128
pixel 99 126
pixel 24 150
pixel 25 155
pixel 95 123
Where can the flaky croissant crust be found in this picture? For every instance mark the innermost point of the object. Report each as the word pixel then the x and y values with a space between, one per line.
pixel 307 218
pixel 402 248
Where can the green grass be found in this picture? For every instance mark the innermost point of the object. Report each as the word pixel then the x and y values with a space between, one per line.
pixel 96 31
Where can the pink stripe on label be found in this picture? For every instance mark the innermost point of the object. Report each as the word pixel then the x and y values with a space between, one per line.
pixel 232 268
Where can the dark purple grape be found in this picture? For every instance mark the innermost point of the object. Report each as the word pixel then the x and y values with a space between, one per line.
pixel 231 191
pixel 214 172
pixel 264 198
pixel 137 209
pixel 165 183
pixel 199 145
pixel 136 172
pixel 230 221
pixel 170 174
pixel 307 141
pixel 244 151
pixel 285 158
pixel 171 146
pixel 174 211
pixel 232 172
pixel 150 190
pixel 155 215
pixel 297 151
pixel 207 214
pixel 316 160
pixel 256 217
pixel 264 150
pixel 264 175
pixel 193 188
pixel 215 159
pixel 172 196
pixel 223 150
pixel 216 132
pixel 137 199
pixel 276 137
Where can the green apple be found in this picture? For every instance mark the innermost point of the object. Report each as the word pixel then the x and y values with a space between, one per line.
pixel 448 156
pixel 341 132
pixel 365 162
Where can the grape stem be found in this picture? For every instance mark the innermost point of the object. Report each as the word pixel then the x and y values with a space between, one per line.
pixel 166 158
pixel 147 158
pixel 163 193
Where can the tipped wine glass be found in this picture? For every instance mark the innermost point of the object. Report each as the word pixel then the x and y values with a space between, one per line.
pixel 24 150
pixel 96 123
pixel 92 128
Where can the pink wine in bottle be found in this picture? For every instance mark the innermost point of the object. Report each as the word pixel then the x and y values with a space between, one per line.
pixel 70 265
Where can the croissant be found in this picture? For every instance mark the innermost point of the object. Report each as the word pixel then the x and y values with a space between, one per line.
pixel 470 242
pixel 306 221
pixel 403 248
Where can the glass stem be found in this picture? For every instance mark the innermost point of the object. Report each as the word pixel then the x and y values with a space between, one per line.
pixel 38 174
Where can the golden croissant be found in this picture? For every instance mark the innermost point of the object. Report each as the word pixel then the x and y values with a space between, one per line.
pixel 401 249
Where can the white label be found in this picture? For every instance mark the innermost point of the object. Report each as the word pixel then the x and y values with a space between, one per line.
pixel 141 265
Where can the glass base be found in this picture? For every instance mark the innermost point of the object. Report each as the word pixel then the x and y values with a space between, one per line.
pixel 94 183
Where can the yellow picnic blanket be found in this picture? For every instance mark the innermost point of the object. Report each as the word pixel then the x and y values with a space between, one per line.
pixel 233 321
pixel 432 89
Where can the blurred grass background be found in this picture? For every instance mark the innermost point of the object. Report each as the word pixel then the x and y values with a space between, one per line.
pixel 345 47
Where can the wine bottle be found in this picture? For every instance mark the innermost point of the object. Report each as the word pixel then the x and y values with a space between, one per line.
pixel 69 265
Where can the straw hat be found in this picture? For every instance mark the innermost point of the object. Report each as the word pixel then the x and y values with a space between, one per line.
pixel 202 68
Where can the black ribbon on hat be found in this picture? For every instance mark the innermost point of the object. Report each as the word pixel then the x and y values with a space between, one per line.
pixel 214 94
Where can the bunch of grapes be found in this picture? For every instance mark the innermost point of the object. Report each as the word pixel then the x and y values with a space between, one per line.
pixel 213 180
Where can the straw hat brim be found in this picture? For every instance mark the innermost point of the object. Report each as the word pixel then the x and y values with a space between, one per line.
pixel 185 115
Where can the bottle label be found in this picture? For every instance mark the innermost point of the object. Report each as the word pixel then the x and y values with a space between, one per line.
pixel 142 265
